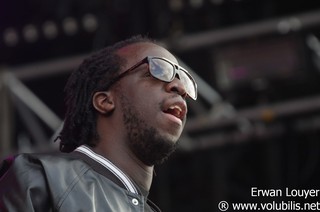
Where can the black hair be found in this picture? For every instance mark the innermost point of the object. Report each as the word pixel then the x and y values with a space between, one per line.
pixel 94 74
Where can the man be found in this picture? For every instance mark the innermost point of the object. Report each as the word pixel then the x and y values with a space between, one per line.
pixel 126 109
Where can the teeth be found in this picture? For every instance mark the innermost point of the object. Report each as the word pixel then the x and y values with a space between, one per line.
pixel 175 107
pixel 175 110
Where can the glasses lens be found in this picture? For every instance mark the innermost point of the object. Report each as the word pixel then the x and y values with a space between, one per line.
pixel 189 84
pixel 165 71
pixel 161 69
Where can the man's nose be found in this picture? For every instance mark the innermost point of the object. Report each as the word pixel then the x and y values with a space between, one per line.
pixel 176 86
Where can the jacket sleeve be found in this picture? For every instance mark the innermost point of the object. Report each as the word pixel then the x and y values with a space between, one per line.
pixel 23 185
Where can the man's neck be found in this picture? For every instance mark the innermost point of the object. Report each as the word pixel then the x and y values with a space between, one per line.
pixel 140 173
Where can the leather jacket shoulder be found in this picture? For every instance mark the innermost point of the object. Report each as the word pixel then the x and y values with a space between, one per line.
pixel 66 182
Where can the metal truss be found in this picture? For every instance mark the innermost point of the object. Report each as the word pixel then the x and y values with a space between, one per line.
pixel 220 113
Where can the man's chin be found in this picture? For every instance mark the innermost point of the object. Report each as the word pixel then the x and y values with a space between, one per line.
pixel 157 152
pixel 171 137
pixel 164 151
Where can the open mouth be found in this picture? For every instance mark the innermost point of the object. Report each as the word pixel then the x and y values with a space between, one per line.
pixel 177 109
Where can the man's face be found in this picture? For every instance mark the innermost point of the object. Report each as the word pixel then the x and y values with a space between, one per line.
pixel 150 107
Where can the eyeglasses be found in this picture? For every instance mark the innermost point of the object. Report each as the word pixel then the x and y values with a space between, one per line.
pixel 165 70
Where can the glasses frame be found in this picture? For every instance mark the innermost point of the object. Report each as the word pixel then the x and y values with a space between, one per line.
pixel 147 60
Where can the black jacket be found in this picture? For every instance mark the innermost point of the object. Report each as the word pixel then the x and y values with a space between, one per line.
pixel 68 182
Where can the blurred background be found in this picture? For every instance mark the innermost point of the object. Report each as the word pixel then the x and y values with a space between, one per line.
pixel 257 63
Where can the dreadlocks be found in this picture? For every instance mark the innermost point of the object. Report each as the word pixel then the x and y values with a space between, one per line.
pixel 94 74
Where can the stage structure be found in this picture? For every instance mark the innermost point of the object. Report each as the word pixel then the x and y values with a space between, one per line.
pixel 208 114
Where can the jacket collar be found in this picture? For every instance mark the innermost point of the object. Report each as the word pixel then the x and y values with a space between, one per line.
pixel 122 177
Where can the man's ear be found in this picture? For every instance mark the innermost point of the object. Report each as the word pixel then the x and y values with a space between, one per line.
pixel 103 102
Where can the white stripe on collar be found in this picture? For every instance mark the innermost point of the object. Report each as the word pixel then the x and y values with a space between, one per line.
pixel 110 166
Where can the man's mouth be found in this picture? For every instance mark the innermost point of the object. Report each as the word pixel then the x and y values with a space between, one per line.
pixel 177 109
